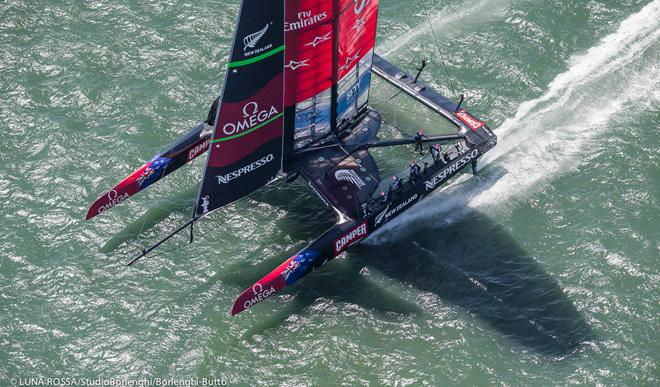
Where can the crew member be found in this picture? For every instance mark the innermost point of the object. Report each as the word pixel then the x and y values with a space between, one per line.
pixel 383 197
pixel 415 170
pixel 418 141
pixel 396 186
pixel 436 150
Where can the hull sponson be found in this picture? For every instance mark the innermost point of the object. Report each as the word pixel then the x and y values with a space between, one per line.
pixel 188 148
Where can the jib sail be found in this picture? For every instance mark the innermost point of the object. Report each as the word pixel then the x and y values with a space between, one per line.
pixel 246 149
pixel 329 49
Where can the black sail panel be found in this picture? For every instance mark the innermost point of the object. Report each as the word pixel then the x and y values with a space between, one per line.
pixel 246 149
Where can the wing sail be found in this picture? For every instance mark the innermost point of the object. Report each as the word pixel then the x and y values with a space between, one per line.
pixel 246 149
pixel 329 48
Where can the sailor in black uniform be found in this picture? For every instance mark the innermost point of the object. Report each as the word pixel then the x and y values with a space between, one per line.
pixel 415 170
pixel 396 186
pixel 384 197
pixel 459 147
pixel 418 141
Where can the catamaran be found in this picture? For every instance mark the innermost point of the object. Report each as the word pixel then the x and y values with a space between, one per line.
pixel 295 103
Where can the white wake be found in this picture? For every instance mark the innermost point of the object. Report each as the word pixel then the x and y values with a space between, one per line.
pixel 554 133
pixel 450 19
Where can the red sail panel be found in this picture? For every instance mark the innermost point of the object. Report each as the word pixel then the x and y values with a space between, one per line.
pixel 308 55
pixel 329 48
pixel 246 149
pixel 310 38
pixel 357 32
pixel 356 40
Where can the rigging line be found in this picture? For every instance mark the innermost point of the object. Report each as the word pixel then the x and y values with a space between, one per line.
pixel 437 46
pixel 398 93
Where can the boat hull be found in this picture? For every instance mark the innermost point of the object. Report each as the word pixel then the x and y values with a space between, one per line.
pixel 185 150
pixel 343 236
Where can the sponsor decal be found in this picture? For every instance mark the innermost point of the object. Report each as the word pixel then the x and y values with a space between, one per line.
pixel 113 199
pixel 354 235
pixel 320 39
pixel 198 149
pixel 444 175
pixel 350 176
pixel 352 93
pixel 350 60
pixel 250 43
pixel 299 266
pixel 145 175
pixel 387 213
pixel 359 24
pixel 359 6
pixel 468 119
pixel 153 172
pixel 380 217
pixel 259 294
pixel 290 268
pixel 293 65
pixel 253 115
pixel 305 19
pixel 226 178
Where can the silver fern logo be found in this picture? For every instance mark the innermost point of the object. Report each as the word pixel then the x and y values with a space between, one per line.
pixel 250 42
pixel 350 176
pixel 380 217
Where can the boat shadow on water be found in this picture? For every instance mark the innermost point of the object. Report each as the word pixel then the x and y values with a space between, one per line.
pixel 473 263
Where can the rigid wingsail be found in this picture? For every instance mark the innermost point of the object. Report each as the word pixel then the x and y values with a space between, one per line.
pixel 296 103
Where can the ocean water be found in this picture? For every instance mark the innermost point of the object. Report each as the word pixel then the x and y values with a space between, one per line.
pixel 542 270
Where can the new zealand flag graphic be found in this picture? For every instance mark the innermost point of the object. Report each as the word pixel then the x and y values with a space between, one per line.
pixel 153 172
pixel 299 266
